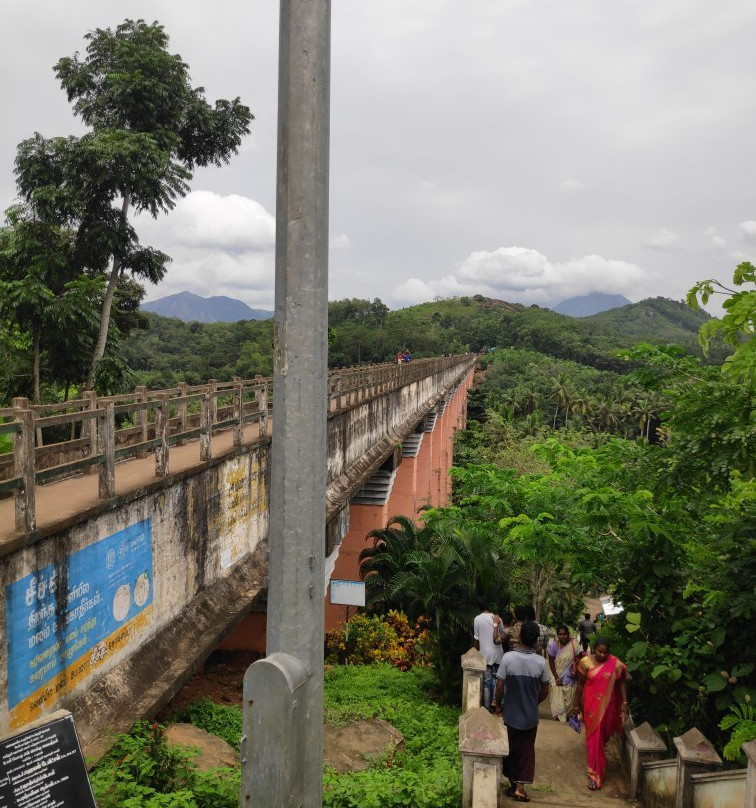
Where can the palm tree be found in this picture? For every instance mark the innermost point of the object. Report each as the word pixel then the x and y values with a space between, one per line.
pixel 387 556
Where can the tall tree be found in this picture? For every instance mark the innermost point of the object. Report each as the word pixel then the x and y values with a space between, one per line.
pixel 40 289
pixel 149 130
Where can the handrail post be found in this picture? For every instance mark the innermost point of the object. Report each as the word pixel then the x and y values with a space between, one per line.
pixel 239 414
pixel 106 486
pixel 261 396
pixel 181 411
pixel 161 433
pixel 89 427
pixel 206 427
pixel 213 401
pixel 24 466
pixel 141 418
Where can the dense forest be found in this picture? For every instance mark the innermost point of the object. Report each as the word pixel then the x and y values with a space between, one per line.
pixel 572 480
pixel 168 350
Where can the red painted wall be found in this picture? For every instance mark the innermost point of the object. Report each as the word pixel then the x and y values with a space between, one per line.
pixel 423 480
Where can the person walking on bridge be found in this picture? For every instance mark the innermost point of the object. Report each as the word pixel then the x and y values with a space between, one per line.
pixel 523 682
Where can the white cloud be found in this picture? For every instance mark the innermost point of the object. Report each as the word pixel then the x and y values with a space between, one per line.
pixel 665 239
pixel 340 241
pixel 571 184
pixel 220 245
pixel 748 230
pixel 713 235
pixel 524 275
pixel 207 220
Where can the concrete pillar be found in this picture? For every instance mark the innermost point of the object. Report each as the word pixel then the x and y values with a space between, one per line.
pixel 106 482
pixel 24 466
pixel 643 743
pixel 402 498
pixel 695 754
pixel 89 427
pixel 483 746
pixel 238 414
pixel 473 668
pixel 362 519
pixel 206 429
pixel 162 450
pixel 286 765
pixel 750 753
pixel 181 410
pixel 141 417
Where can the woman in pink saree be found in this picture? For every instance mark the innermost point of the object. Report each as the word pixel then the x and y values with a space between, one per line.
pixel 603 694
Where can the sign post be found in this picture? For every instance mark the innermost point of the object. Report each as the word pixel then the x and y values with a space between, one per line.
pixel 42 766
pixel 348 593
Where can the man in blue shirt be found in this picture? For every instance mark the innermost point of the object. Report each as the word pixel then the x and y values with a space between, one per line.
pixel 523 681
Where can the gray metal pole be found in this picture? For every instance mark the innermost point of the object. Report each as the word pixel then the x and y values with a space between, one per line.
pixel 287 687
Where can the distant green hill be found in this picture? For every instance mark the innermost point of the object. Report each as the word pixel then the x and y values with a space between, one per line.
pixel 363 331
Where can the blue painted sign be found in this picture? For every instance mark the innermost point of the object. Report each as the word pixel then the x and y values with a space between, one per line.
pixel 66 619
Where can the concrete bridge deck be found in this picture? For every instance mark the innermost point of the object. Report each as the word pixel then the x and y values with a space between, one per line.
pixel 64 502
pixel 121 590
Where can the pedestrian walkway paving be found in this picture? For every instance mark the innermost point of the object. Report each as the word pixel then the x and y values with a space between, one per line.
pixel 561 780
pixel 60 501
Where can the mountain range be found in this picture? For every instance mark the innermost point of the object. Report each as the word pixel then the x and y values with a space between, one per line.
pixel 193 308
pixel 588 305
pixel 220 309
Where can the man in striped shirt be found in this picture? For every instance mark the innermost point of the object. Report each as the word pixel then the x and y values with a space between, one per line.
pixel 522 683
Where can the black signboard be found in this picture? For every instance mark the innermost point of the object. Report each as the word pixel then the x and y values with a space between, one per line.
pixel 43 767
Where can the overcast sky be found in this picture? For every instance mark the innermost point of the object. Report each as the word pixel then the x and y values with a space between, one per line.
pixel 528 150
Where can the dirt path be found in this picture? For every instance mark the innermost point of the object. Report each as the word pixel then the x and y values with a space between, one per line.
pixel 561 779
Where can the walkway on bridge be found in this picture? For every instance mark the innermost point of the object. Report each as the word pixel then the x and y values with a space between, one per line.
pixel 66 499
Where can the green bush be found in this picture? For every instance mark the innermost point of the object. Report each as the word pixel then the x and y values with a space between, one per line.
pixel 222 720
pixel 142 770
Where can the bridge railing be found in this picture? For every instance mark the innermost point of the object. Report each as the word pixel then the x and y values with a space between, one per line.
pixel 91 434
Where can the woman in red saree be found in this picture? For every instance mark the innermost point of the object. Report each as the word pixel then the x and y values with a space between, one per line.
pixel 603 694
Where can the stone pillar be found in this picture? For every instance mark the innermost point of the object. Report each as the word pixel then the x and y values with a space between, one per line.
pixel 141 417
pixel 213 400
pixel 239 414
pixel 643 743
pixel 106 482
pixel 89 427
pixel 483 746
pixel 162 432
pixel 750 753
pixel 473 668
pixel 695 754
pixel 181 411
pixel 24 466
pixel 206 429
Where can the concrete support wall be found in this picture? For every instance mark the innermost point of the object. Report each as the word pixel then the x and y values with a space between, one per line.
pixel 422 480
pixel 108 612
pixel 130 576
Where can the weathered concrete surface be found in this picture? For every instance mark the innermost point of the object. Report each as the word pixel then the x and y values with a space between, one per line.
pixel 203 533
pixel 206 527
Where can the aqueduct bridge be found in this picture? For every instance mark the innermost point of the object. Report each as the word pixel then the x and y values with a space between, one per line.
pixel 133 547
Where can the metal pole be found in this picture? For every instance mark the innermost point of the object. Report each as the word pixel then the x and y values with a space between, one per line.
pixel 293 775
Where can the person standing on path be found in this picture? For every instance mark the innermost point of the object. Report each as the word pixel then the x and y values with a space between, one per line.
pixel 603 694
pixel 586 627
pixel 563 657
pixel 484 626
pixel 522 684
